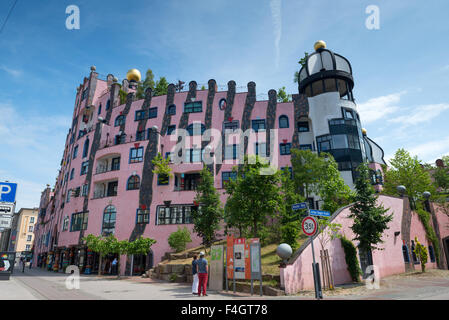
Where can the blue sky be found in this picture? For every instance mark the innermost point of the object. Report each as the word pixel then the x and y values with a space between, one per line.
pixel 401 71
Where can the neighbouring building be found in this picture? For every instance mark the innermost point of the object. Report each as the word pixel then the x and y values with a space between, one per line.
pixel 106 182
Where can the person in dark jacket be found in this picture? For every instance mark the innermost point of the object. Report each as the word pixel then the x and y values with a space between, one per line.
pixel 195 275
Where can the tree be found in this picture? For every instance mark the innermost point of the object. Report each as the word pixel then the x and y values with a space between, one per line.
pixel 290 227
pixel 327 231
pixel 283 96
pixel 114 246
pixel 421 253
pixel 141 246
pixel 148 83
pixel 302 62
pixel 253 198
pixel 178 240
pixel 162 168
pixel 161 87
pixel 207 218
pixel 440 176
pixel 370 220
pixel 307 170
pixel 96 244
pixel 409 172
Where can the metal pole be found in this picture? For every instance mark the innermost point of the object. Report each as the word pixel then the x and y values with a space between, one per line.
pixel 233 265
pixel 132 265
pixel 260 270
pixel 251 270
pixel 226 270
pixel 314 263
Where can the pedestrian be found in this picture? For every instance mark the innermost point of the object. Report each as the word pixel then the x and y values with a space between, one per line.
pixel 195 275
pixel 202 274
pixel 22 260
pixel 114 266
pixel 31 261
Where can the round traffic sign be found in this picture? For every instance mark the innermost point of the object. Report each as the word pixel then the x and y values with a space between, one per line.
pixel 309 226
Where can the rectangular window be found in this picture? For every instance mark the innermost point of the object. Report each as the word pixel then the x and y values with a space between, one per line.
pixel 258 125
pixel 143 216
pixel 79 221
pixel 120 139
pixel 305 147
pixel 136 155
pixel 85 190
pixel 261 149
pixel 230 125
pixel 231 151
pixel 193 155
pixel 31 219
pixel 29 237
pixel 140 135
pixel 115 165
pixel 112 188
pixel 30 228
pixel 140 115
pixel 285 148
pixel 152 113
pixel 65 224
pixel 226 176
pixel 177 214
pixel 303 126
pixel 75 152
pixel 84 95
pixel 190 181
pixel 196 106
pixel 171 129
pixel 27 247
pixel 84 167
pixel 163 180
pixel 69 193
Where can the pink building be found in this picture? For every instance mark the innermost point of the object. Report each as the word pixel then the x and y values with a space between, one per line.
pixel 106 182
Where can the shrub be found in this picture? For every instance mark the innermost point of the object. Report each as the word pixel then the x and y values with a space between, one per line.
pixel 179 239
pixel 424 216
pixel 172 277
pixel 421 253
pixel 351 259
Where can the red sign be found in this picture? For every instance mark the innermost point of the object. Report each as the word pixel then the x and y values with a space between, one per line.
pixel 309 226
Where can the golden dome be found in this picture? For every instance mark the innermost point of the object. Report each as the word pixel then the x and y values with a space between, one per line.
pixel 319 44
pixel 364 131
pixel 133 75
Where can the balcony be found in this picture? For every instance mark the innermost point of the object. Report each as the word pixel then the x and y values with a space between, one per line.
pixel 105 189
pixel 108 163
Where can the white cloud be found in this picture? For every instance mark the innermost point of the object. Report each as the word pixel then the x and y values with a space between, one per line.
pixel 432 150
pixel 275 6
pixel 377 108
pixel 421 114
pixel 12 72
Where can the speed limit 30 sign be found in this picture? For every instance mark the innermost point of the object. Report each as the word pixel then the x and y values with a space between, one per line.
pixel 309 226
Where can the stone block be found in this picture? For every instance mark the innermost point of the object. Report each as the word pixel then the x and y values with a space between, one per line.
pixel 180 278
pixel 165 268
pixel 177 268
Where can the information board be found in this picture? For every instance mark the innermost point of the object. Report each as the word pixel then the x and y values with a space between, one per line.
pixel 216 267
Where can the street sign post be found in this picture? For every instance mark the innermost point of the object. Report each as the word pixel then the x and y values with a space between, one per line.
pixel 310 227
pixel 298 206
pixel 319 213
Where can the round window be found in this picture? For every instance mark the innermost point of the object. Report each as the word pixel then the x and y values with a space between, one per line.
pixel 222 104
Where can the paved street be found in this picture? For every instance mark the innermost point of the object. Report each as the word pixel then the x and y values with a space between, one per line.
pixel 37 284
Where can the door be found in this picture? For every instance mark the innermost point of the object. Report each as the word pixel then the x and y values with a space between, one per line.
pixel 446 250
pixel 366 259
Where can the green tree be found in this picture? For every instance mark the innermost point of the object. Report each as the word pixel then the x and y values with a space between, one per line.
pixel 114 246
pixel 441 178
pixel 162 168
pixel 147 83
pixel 370 219
pixel 289 221
pixel 421 253
pixel 96 244
pixel 253 198
pixel 207 218
pixel 161 87
pixel 283 96
pixel 141 246
pixel 178 240
pixel 327 231
pixel 302 62
pixel 409 172
pixel 307 170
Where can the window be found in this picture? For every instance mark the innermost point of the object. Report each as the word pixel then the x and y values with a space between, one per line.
pixel 86 148
pixel 76 192
pixel 258 125
pixel 115 165
pixel 230 125
pixel 112 188
pixel 65 224
pixel 171 109
pixel 305 147
pixel 136 155
pixel 84 167
pixel 31 219
pixel 303 126
pixel 140 135
pixel 193 155
pixel 99 109
pixel 84 95
pixel 324 143
pixel 177 214
pixel 152 113
pixel 108 104
pixel 79 221
pixel 190 181
pixel 143 216
pixel 222 104
pixel 29 237
pixel 27 247
pixel 72 173
pixel 121 119
pixel 75 152
pixel 231 151
pixel 226 176
pixel 285 148
pixel 261 149
pixel 163 179
pixel 196 106
pixel 69 193
pixel 171 129
pixel 196 129
pixel 283 122
pixel 82 133
pixel 30 228
pixel 120 139
pixel 133 183
pixel 140 115
pixel 415 258
pixel 108 226
pixel 431 254
pixel 85 190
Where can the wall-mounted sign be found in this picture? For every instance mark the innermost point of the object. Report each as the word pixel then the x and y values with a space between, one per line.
pixel 5 222
pixel 6 209
pixel 8 192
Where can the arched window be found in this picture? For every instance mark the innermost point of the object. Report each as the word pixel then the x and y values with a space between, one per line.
pixel 120 120
pixel 108 104
pixel 108 226
pixel 283 121
pixel 133 183
pixel 86 148
pixel 196 129
pixel 171 109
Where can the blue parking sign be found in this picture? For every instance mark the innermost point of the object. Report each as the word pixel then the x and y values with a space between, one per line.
pixel 8 192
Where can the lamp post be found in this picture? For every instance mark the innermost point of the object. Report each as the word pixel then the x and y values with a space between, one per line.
pixel 401 190
pixel 284 251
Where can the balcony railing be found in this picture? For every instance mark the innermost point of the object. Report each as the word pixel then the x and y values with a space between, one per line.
pixel 102 169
